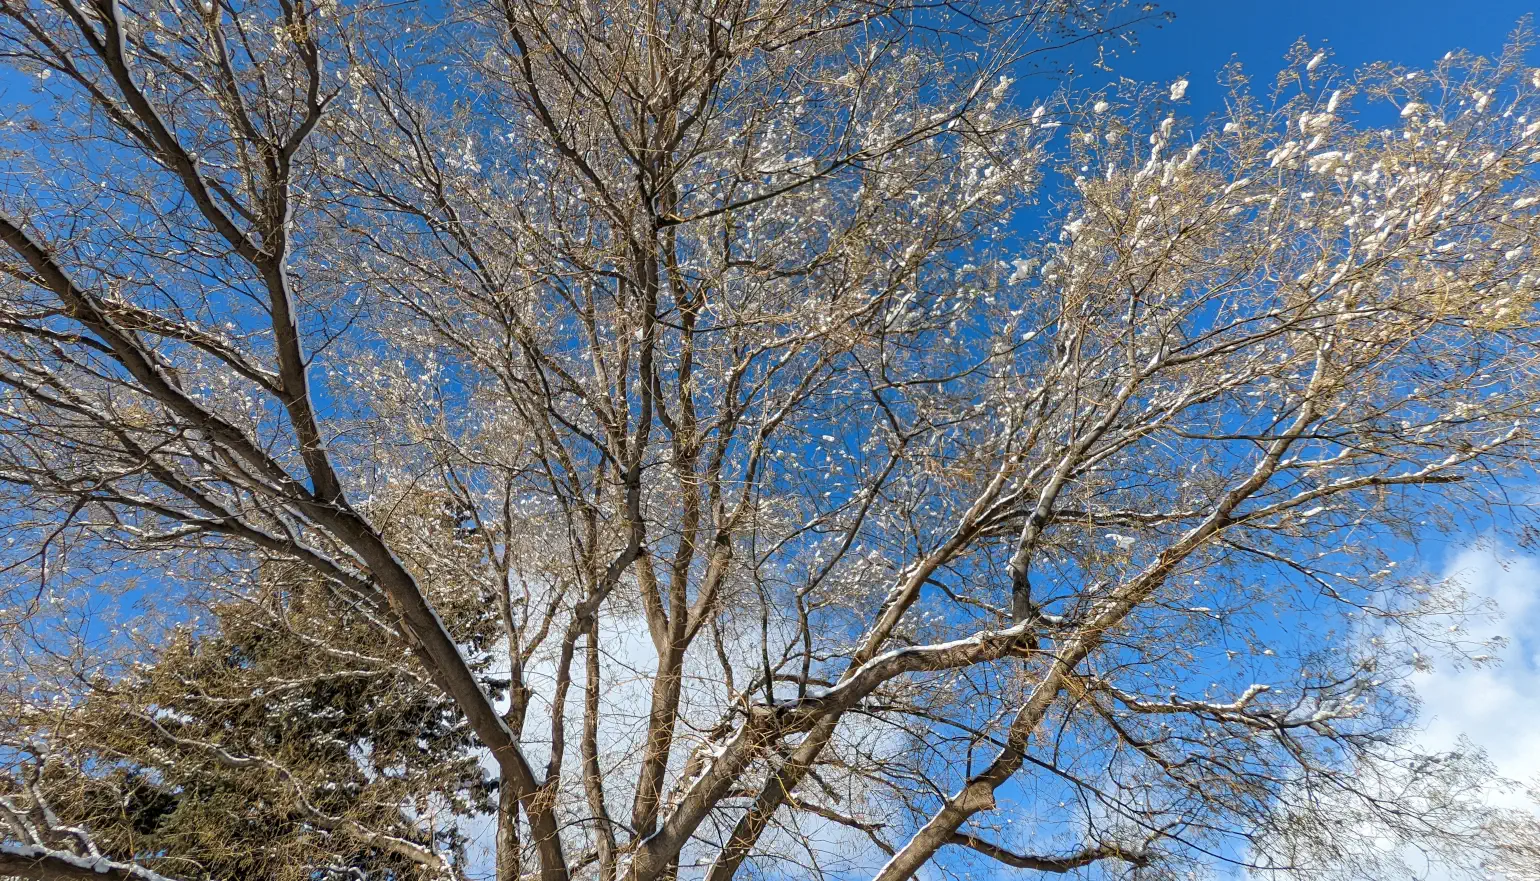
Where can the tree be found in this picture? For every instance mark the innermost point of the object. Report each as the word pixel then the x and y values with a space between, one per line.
pixel 820 441
pixel 1518 855
pixel 281 743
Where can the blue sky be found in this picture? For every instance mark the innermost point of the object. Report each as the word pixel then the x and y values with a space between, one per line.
pixel 1208 33
pixel 1498 708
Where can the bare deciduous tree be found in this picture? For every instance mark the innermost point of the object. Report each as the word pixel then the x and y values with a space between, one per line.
pixel 778 440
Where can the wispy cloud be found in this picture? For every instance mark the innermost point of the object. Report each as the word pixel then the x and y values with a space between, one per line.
pixel 1496 707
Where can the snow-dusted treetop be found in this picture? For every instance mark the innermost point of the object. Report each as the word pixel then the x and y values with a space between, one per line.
pixel 761 434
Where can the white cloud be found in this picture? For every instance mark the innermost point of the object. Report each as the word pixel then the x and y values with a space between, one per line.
pixel 1494 706
pixel 629 663
pixel 1497 707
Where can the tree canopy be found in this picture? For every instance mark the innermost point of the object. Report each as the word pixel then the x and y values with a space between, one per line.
pixel 742 438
